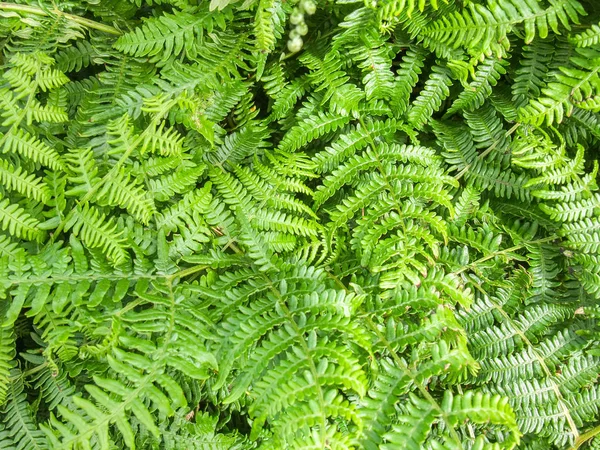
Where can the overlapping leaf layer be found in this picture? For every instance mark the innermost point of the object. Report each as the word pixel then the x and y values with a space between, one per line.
pixel 279 225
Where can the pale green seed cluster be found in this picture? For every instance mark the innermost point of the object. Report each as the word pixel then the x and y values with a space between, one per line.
pixel 300 29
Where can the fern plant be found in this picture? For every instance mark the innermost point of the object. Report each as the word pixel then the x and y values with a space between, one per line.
pixel 313 225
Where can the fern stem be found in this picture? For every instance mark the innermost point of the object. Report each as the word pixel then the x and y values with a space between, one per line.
pixel 29 372
pixel 337 281
pixel 585 437
pixel 72 17
pixel 502 252
pixel 188 271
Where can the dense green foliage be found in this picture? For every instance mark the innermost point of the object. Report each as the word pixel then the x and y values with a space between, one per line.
pixel 269 224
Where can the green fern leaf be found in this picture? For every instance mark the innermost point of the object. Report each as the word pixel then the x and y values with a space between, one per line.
pixel 483 29
pixel 7 353
pixel 26 184
pixel 370 159
pixel 533 70
pixel 408 76
pixel 97 232
pixel 572 85
pixel 169 35
pixel 487 75
pixel 309 129
pixel 573 211
pixel 119 190
pixel 268 25
pixel 177 182
pixel 18 222
pixel 347 144
pixel 482 408
pixel 22 143
pixel 587 38
pixel 19 418
pixel 413 426
pixel 430 99
pixel 390 10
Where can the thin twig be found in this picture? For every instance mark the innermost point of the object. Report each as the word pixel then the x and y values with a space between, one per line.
pixel 4 6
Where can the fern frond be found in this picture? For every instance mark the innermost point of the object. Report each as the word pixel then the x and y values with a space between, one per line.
pixel 7 246
pixel 487 75
pixel 370 159
pixel 19 222
pixel 182 179
pixel 285 223
pixel 262 190
pixel 326 72
pixel 198 433
pixel 373 57
pixel 482 408
pixel 97 232
pixel 56 389
pixel 587 38
pixel 533 322
pixel 376 185
pixel 19 419
pixel 504 183
pixel 7 354
pixel 303 359
pixel 413 426
pixel 527 363
pixel 23 143
pixel 237 146
pixel 379 406
pixel 141 369
pixel 309 129
pixel 458 142
pixel 532 71
pixel 175 217
pixel 347 144
pixel 383 233
pixel 258 249
pixel 80 55
pixel 406 79
pixel 430 98
pixel 583 235
pixel 15 178
pixel 571 86
pixel 347 100
pixel 288 97
pixel 120 191
pixel 573 211
pixel 483 29
pixel 488 133
pixel 164 140
pixel 81 163
pixel 169 35
pixel 268 25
